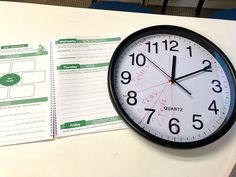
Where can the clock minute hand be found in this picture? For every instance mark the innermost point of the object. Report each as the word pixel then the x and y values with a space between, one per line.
pixel 163 72
pixel 195 72
pixel 157 66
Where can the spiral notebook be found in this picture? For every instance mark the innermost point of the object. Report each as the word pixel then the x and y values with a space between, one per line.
pixel 55 89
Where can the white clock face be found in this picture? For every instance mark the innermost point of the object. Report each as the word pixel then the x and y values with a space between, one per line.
pixel 172 88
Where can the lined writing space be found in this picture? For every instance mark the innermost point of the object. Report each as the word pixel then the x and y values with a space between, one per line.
pixel 85 96
pixel 83 103
pixel 82 100
pixel 24 123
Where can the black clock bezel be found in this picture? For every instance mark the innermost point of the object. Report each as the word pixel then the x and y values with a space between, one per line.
pixel 191 35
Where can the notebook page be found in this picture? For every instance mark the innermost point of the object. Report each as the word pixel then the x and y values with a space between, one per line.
pixel 82 100
pixel 24 93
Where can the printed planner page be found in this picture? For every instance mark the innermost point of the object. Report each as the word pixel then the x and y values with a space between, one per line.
pixel 82 100
pixel 24 93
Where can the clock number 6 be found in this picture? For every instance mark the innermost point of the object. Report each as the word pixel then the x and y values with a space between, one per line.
pixel 174 127
pixel 132 100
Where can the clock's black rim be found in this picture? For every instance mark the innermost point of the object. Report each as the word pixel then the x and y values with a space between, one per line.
pixel 201 40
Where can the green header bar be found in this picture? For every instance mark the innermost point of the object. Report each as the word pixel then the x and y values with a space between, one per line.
pixel 83 123
pixel 79 66
pixel 73 40
pixel 41 50
pixel 23 55
pixel 26 101
pixel 14 46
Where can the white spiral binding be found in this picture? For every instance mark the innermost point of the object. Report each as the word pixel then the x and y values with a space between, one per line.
pixel 53 97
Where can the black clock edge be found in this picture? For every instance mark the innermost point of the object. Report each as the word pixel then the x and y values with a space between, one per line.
pixel 179 145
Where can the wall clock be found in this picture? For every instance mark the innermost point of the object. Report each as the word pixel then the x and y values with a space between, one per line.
pixel 173 86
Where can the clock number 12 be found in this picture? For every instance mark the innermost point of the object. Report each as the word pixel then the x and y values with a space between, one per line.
pixel 173 47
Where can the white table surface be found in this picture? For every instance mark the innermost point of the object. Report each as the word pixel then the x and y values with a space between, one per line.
pixel 121 153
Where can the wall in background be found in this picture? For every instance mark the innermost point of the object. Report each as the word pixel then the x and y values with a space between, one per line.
pixel 217 4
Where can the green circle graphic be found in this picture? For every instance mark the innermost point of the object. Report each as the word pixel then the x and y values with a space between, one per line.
pixel 9 79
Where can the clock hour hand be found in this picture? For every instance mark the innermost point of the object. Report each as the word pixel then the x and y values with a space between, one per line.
pixel 173 70
pixel 205 69
pixel 172 79
pixel 163 72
